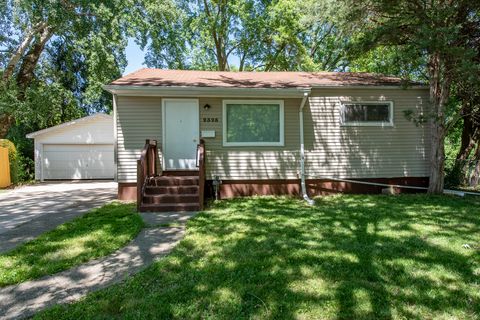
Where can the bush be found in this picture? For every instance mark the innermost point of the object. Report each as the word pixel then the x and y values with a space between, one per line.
pixel 14 158
pixel 454 173
pixel 26 168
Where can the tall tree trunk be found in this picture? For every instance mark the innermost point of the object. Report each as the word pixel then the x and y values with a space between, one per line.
pixel 469 139
pixel 439 93
pixel 18 53
pixel 475 177
pixel 29 63
pixel 25 75
pixel 468 135
pixel 6 121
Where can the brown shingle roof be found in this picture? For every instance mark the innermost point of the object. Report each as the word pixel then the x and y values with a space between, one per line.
pixel 225 79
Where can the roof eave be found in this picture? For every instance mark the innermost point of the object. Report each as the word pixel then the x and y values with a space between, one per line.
pixel 192 91
pixel 371 86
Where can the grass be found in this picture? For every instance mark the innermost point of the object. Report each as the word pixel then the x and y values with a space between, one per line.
pixel 349 257
pixel 95 234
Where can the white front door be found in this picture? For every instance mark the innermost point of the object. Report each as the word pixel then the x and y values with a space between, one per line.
pixel 180 134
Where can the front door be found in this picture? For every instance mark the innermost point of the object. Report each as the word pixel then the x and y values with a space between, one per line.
pixel 180 135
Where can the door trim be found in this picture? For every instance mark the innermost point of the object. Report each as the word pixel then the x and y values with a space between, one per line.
pixel 164 118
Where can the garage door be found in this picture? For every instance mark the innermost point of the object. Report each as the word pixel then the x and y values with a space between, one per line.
pixel 79 161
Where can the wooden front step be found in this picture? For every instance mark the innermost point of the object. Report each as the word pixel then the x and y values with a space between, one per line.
pixel 149 190
pixel 173 181
pixel 154 207
pixel 178 173
pixel 172 198
pixel 172 192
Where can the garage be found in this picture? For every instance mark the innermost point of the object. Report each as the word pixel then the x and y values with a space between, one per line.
pixel 75 162
pixel 76 150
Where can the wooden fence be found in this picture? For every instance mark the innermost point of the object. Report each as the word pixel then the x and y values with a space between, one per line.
pixel 4 168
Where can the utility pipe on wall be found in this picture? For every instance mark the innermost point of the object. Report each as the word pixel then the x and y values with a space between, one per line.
pixel 302 152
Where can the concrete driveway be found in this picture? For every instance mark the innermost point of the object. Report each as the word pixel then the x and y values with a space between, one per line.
pixel 28 211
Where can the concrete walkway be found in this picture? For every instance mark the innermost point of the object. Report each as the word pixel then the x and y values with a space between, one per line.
pixel 27 212
pixel 24 300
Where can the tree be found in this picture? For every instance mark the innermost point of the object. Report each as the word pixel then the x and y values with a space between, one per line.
pixel 325 43
pixel 94 29
pixel 401 61
pixel 210 34
pixel 441 31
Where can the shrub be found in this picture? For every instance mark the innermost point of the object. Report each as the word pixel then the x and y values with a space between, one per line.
pixel 13 157
pixel 26 168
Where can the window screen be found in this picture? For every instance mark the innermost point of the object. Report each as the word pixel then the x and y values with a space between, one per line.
pixel 367 113
pixel 253 123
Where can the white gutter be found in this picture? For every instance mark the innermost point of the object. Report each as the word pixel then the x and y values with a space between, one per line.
pixel 370 87
pixel 302 151
pixel 192 91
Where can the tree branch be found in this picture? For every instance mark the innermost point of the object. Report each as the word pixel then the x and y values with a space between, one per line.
pixel 17 54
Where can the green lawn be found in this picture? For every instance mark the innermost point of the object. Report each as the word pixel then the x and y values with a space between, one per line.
pixel 97 233
pixel 349 257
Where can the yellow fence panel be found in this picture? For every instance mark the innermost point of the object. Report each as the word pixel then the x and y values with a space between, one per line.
pixel 4 168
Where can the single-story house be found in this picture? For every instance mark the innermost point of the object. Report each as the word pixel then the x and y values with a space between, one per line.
pixel 79 149
pixel 305 133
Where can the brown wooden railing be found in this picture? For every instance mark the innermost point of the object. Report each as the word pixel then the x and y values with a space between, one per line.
pixel 146 168
pixel 201 172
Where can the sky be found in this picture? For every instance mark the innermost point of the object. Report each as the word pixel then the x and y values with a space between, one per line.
pixel 135 57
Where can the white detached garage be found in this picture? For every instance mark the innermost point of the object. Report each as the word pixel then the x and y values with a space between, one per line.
pixel 79 149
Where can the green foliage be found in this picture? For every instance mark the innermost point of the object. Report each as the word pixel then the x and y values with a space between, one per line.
pixel 400 61
pixel 14 159
pixel 453 171
pixel 440 37
pixel 85 50
pixel 348 257
pixel 95 234
pixel 239 35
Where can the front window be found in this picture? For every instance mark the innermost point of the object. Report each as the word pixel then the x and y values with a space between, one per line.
pixel 367 113
pixel 253 123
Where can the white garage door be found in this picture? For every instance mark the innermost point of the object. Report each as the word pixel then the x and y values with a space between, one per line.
pixel 77 161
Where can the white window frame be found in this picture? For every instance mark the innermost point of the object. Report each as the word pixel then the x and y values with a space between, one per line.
pixel 281 142
pixel 388 123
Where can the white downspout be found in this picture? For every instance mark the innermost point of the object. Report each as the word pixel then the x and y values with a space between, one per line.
pixel 302 152
pixel 115 139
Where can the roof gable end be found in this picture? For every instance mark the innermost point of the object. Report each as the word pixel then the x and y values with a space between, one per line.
pixel 93 117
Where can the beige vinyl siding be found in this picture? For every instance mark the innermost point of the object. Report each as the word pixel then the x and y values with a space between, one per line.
pixel 332 150
pixel 138 118
pixel 279 162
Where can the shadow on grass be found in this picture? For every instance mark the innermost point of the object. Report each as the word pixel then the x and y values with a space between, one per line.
pixel 93 235
pixel 347 257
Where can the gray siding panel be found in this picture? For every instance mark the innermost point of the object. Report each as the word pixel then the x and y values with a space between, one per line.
pixel 139 118
pixel 250 162
pixel 332 150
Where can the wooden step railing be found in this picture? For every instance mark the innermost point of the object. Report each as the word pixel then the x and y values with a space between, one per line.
pixel 201 172
pixel 146 167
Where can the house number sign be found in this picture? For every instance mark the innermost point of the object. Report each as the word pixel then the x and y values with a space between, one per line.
pixel 210 119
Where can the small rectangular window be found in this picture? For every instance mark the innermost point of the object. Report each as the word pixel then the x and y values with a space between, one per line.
pixel 367 113
pixel 252 123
